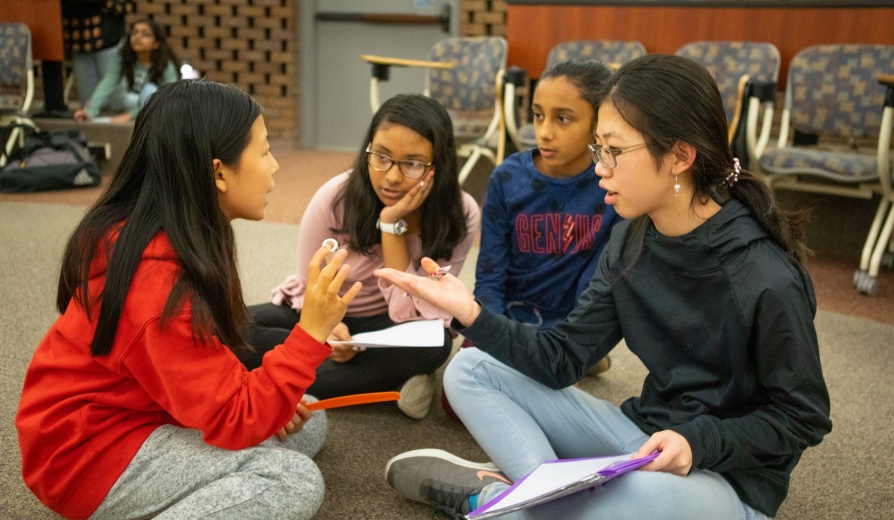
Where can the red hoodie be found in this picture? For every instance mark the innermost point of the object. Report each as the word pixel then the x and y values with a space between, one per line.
pixel 82 418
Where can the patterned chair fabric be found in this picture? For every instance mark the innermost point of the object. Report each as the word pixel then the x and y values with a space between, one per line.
pixel 15 62
pixel 833 92
pixel 849 102
pixel 606 51
pixel 728 61
pixel 468 89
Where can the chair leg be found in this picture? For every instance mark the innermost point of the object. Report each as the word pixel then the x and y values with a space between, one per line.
pixel 10 145
pixel 475 153
pixel 882 244
pixel 872 238
pixel 374 94
pixel 866 279
pixel 470 163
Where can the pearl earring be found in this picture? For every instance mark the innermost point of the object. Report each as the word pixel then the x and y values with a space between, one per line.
pixel 677 186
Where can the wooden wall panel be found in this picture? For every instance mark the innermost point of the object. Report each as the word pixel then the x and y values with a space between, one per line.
pixel 533 30
pixel 44 19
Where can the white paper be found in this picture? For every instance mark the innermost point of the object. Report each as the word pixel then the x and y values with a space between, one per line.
pixel 421 333
pixel 548 478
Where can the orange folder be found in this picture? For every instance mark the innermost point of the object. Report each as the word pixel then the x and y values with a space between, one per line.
pixel 350 400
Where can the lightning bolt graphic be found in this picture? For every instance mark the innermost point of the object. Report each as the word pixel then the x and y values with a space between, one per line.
pixel 568 226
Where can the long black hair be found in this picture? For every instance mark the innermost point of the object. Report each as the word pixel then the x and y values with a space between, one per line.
pixel 165 183
pixel 442 219
pixel 160 57
pixel 669 99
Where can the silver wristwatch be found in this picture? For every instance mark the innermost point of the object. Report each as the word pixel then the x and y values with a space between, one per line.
pixel 398 228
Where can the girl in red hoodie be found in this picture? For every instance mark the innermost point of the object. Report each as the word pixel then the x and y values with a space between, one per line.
pixel 135 404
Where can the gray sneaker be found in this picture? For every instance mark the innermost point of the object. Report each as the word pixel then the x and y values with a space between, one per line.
pixel 440 479
pixel 416 395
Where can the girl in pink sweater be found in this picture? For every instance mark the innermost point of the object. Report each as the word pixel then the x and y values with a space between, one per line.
pixel 401 201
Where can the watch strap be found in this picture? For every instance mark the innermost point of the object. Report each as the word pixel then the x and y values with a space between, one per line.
pixel 397 228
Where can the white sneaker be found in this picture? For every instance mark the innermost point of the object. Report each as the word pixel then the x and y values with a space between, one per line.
pixel 416 396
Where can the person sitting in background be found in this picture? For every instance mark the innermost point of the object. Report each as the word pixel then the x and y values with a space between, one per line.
pixel 146 62
pixel 134 404
pixel 705 282
pixel 401 201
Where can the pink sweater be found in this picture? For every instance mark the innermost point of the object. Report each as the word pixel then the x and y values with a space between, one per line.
pixel 375 297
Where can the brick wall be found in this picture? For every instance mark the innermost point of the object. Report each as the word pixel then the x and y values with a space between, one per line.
pixel 250 43
pixel 482 18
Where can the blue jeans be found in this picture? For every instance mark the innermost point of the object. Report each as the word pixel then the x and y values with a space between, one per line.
pixel 521 423
pixel 135 101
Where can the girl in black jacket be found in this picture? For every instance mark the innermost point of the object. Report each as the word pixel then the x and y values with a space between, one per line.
pixel 704 282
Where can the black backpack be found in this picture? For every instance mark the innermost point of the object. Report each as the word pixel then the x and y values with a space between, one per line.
pixel 54 160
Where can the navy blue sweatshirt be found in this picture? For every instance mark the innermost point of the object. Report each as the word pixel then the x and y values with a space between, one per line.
pixel 540 240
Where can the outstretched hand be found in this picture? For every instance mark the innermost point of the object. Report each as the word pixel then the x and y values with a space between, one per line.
pixel 323 307
pixel 448 293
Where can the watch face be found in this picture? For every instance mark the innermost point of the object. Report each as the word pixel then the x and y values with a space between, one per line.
pixel 400 227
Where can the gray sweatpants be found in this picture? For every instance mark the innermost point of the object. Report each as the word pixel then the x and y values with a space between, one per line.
pixel 176 475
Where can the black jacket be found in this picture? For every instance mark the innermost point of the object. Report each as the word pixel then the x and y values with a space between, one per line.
pixel 722 318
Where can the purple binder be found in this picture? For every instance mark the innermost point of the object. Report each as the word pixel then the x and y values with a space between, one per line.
pixel 521 495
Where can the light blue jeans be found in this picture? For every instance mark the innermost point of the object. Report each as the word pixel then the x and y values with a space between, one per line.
pixel 135 101
pixel 521 423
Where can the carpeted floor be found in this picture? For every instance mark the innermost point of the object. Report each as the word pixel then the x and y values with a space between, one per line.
pixel 847 476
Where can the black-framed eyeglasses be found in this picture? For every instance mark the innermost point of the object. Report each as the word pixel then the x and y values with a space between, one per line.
pixel 382 163
pixel 608 157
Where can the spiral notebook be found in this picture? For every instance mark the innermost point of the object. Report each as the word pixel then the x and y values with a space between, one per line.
pixel 558 478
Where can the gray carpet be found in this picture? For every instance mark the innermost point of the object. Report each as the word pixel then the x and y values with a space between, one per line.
pixel 848 476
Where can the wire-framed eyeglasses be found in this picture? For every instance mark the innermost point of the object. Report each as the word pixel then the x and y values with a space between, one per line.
pixel 608 157
pixel 382 163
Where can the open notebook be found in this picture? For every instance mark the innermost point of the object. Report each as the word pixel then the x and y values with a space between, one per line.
pixel 558 478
